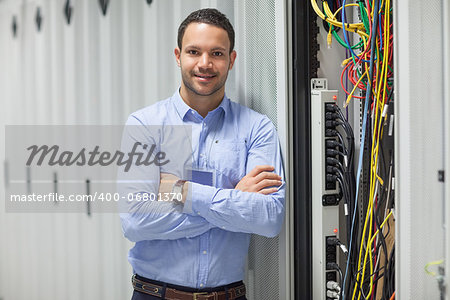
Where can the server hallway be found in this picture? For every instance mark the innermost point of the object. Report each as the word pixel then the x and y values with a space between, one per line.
pixel 206 149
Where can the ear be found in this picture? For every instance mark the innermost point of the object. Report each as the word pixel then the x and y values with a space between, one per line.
pixel 177 53
pixel 232 59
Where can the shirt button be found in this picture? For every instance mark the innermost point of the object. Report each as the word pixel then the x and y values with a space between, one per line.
pixel 201 284
pixel 204 252
pixel 198 213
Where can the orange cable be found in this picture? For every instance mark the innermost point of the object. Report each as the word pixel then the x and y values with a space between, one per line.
pixel 393 296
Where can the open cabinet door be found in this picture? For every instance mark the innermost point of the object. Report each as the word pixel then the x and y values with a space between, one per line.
pixel 421 147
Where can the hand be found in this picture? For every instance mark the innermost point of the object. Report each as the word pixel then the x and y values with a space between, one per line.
pixel 166 183
pixel 259 179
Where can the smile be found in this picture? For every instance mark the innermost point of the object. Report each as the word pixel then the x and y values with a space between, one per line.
pixel 205 76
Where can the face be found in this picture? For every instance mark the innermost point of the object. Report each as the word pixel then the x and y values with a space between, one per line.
pixel 205 59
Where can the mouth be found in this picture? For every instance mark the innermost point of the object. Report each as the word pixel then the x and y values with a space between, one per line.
pixel 204 77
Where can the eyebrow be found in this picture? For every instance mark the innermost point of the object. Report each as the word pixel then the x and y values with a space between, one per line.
pixel 198 48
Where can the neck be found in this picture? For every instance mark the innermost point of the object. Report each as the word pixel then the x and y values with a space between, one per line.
pixel 202 104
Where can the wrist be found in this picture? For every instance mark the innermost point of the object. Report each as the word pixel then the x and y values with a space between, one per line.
pixel 180 188
pixel 185 191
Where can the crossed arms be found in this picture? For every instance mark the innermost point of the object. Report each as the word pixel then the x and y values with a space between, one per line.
pixel 254 205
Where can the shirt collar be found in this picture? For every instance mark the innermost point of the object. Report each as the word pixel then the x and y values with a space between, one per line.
pixel 182 108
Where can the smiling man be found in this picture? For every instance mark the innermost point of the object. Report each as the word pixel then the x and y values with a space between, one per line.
pixel 195 246
pixel 205 60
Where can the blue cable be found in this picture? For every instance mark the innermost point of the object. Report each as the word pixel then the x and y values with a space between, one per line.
pixel 363 135
pixel 345 32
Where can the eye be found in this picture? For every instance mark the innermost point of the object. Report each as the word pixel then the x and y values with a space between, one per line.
pixel 193 52
pixel 217 53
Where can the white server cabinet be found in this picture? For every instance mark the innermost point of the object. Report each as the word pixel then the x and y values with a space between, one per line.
pixel 421 106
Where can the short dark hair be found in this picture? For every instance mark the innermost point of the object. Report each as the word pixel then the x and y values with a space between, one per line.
pixel 208 16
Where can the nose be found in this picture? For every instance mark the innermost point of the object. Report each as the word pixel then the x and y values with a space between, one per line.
pixel 204 61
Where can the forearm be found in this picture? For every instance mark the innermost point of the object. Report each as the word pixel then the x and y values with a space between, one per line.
pixel 155 220
pixel 170 226
pixel 237 211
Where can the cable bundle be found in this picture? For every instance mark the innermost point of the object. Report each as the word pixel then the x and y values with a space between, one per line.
pixel 370 71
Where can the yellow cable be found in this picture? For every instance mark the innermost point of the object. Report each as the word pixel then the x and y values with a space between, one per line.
pixel 355 27
pixel 360 25
pixel 369 221
pixel 328 11
pixel 380 180
pixel 379 107
pixel 346 61
pixel 379 91
pixel 365 222
pixel 432 263
pixel 350 96
pixel 330 20
pixel 360 249
pixel 381 226
pixel 329 37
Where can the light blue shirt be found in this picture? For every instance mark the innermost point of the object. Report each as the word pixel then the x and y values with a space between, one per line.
pixel 203 243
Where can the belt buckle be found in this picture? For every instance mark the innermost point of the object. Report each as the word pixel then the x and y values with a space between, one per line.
pixel 195 295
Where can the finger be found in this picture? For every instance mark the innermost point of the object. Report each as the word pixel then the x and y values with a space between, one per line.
pixel 268 191
pixel 258 169
pixel 267 182
pixel 267 175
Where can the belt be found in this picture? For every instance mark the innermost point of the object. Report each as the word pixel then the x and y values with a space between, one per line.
pixel 174 294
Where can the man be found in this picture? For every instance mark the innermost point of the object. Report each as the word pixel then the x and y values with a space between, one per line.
pixel 195 247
